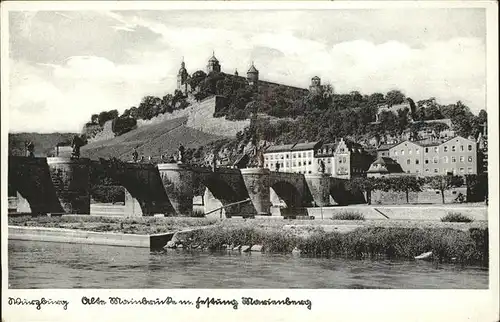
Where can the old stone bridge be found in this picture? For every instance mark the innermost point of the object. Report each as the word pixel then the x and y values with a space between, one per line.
pixel 62 185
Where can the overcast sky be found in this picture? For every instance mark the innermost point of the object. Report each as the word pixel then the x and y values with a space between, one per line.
pixel 67 65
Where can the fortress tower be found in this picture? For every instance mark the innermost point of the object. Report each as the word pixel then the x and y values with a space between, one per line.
pixel 252 75
pixel 182 78
pixel 315 87
pixel 213 65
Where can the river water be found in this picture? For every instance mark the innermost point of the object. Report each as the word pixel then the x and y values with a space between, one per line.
pixel 59 265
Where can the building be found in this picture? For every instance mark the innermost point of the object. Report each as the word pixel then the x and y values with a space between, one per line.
pixel 384 167
pixel 482 146
pixel 384 108
pixel 326 154
pixel 455 155
pixel 252 78
pixel 343 159
pixel 297 158
pixel 351 160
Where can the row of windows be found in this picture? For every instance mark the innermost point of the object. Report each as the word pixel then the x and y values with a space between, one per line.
pixel 287 156
pixel 446 159
pixel 436 150
pixel 294 164
pixel 445 171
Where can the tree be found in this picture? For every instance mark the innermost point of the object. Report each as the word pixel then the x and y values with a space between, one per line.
pixel 443 183
pixel 375 99
pixel 196 79
pixel 394 97
pixel 406 184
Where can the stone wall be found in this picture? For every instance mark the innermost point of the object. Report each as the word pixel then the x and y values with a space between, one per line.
pixel 425 197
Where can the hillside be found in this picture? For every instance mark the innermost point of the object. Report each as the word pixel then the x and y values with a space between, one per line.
pixel 151 140
pixel 44 143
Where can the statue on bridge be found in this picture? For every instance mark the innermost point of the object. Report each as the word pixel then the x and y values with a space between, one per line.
pixel 76 144
pixel 277 166
pixel 321 166
pixel 181 154
pixel 135 155
pixel 214 160
pixel 30 149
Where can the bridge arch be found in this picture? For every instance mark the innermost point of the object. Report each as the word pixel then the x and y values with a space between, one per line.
pixel 289 193
pixel 144 191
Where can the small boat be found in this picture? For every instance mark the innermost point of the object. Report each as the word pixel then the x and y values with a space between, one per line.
pixel 424 256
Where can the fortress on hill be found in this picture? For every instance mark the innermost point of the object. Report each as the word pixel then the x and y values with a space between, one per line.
pixel 252 79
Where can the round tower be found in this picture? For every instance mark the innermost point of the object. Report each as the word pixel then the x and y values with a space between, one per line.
pixel 252 75
pixel 213 65
pixel 315 85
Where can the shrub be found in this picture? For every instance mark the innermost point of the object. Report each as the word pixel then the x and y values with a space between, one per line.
pixel 348 215
pixel 456 217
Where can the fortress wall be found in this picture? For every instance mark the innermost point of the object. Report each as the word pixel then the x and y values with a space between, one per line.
pixel 105 134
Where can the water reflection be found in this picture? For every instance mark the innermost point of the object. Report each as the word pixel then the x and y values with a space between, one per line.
pixel 57 265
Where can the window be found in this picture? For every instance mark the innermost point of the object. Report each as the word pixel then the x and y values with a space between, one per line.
pixel 469 169
pixel 402 152
pixel 300 163
pixel 445 159
pixel 395 152
pixel 452 148
pixel 267 157
pixel 461 148
pixel 309 171
pixel 340 160
pixel 462 158
pixel 417 161
pixel 418 171
pixel 469 147
pixel 435 170
pixel 445 149
pixel 436 149
pixel 435 160
pixel 266 165
pixel 287 164
pixel 272 157
pixel 462 170
pixel 453 159
pixel 383 153
pixel 328 160
pixel 293 164
pixel 426 170
pixel 408 161
pixel 309 162
pixel 426 150
pixel 426 161
pixel 409 151
pixel 470 159
pixel 287 155
pixel 281 157
pixel 309 154
pixel 417 150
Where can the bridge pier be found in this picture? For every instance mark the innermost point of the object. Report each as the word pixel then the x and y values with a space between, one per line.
pixel 257 183
pixel 319 186
pixel 71 180
pixel 178 180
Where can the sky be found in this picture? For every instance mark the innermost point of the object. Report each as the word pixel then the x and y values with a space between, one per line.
pixel 65 66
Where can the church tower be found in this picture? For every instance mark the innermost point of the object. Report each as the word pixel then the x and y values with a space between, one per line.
pixel 213 65
pixel 253 75
pixel 182 78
